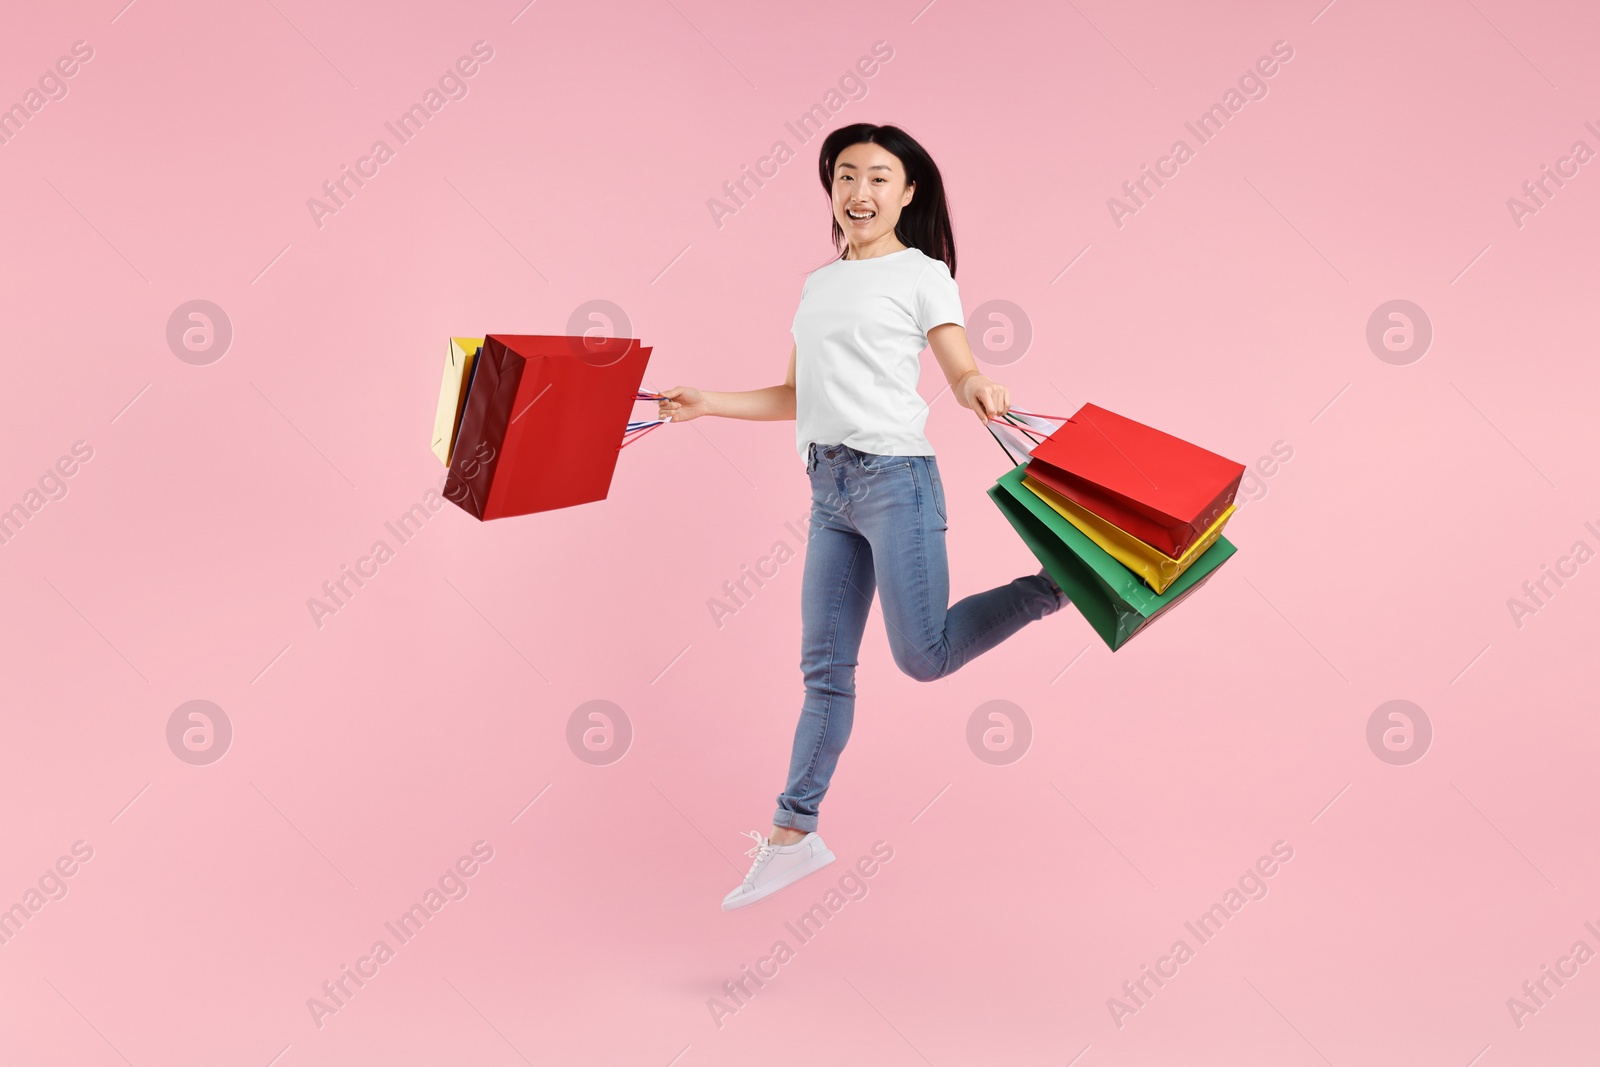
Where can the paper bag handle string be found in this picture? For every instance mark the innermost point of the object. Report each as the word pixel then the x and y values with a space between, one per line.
pixel 637 428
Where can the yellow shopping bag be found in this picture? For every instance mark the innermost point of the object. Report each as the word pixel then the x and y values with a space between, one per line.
pixel 1157 569
pixel 453 394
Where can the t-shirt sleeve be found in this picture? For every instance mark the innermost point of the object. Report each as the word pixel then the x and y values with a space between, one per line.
pixel 936 299
pixel 805 287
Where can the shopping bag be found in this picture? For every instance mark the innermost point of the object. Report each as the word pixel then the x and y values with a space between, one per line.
pixel 543 421
pixel 458 359
pixel 1155 567
pixel 1114 600
pixel 1161 489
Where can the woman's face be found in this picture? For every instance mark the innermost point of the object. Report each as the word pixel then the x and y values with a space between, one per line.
pixel 869 189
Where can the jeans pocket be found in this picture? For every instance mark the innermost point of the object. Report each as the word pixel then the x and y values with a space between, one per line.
pixel 938 489
pixel 876 464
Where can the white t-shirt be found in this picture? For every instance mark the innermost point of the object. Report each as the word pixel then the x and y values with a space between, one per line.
pixel 859 332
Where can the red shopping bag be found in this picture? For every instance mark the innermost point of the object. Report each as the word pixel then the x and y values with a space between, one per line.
pixel 1159 488
pixel 544 419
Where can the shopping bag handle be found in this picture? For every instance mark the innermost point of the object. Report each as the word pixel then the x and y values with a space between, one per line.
pixel 637 428
pixel 1033 427
pixel 1034 434
pixel 633 433
pixel 1015 449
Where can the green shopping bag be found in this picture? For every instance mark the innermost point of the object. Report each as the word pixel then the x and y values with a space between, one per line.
pixel 1113 599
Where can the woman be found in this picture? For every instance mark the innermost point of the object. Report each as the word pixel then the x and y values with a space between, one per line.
pixel 878 506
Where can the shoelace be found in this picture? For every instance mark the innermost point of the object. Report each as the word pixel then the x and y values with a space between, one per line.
pixel 763 849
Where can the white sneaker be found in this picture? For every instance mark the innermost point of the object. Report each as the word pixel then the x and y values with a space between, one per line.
pixel 776 866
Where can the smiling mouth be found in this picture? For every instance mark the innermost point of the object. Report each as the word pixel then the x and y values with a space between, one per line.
pixel 862 217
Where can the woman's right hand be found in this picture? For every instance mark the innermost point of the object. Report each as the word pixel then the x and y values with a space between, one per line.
pixel 684 403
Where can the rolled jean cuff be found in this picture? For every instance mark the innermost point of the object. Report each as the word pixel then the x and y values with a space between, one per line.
pixel 795 821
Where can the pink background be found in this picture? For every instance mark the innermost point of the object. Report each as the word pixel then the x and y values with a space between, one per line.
pixel 368 754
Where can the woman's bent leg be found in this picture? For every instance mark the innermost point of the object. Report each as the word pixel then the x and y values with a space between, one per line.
pixel 904 522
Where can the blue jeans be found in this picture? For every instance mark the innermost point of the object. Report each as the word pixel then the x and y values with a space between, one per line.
pixel 879 522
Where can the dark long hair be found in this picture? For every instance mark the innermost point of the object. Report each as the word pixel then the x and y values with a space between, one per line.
pixel 925 222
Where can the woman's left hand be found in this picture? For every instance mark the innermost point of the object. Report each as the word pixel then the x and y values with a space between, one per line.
pixel 987 397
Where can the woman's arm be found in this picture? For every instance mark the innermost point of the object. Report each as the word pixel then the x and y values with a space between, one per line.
pixel 772 403
pixel 973 390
